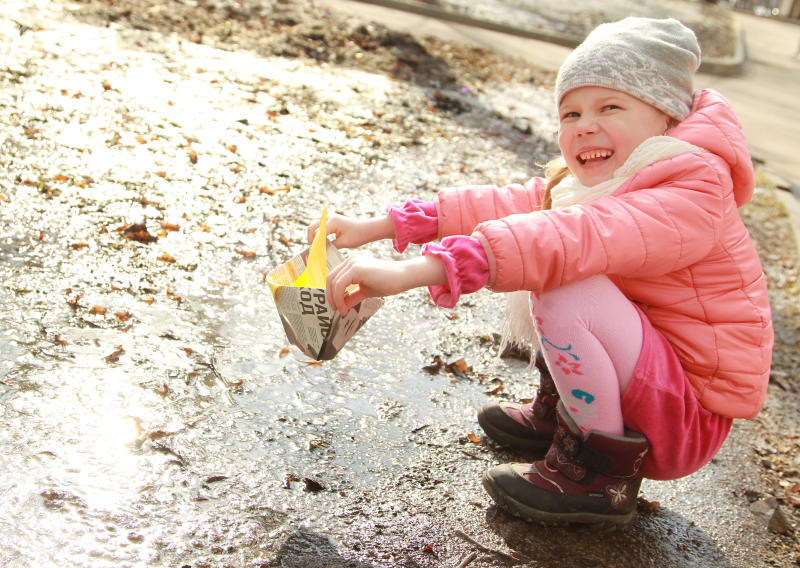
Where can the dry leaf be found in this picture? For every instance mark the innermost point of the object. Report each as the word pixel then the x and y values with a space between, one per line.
pixel 114 357
pixel 81 245
pixel 137 232
pixel 166 258
pixel 98 311
pixel 270 191
pixel 459 366
pixel 647 505
pixel 474 439
pixel 434 367
pixel 122 316
pixel 284 352
pixel 246 253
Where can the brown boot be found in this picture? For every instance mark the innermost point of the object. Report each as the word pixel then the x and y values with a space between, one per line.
pixel 529 426
pixel 592 480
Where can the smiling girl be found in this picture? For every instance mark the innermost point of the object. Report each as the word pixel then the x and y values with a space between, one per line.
pixel 641 287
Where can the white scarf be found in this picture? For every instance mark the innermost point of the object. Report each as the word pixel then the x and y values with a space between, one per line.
pixel 519 329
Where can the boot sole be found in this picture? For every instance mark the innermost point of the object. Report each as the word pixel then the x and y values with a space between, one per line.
pixel 503 438
pixel 531 515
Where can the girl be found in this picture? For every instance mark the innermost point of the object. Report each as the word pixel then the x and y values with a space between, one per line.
pixel 646 296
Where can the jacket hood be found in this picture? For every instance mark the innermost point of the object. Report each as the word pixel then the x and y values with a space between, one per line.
pixel 713 125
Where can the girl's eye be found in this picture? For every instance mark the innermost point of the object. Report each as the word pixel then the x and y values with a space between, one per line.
pixel 571 114
pixel 610 107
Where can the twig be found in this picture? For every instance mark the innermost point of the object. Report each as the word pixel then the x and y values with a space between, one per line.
pixel 212 363
pixel 483 548
pixel 467 560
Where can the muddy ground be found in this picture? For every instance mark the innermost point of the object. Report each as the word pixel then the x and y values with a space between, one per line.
pixel 158 159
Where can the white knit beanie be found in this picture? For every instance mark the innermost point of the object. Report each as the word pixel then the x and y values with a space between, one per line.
pixel 652 60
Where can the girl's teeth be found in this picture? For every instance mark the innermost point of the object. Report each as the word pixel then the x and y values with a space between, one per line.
pixel 599 154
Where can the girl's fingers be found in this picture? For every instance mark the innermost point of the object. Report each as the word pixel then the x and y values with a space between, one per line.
pixel 337 283
pixel 352 298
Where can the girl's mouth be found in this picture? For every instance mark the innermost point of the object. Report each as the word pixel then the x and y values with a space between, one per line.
pixel 594 155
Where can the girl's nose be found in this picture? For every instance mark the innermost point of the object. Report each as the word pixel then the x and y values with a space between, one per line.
pixel 586 125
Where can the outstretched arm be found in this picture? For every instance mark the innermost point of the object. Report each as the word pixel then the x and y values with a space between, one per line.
pixel 352 233
pixel 376 277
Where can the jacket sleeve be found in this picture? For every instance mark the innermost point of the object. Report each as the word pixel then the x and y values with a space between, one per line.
pixel 460 210
pixel 666 217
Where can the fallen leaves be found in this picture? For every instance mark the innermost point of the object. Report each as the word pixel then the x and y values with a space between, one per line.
pixel 458 367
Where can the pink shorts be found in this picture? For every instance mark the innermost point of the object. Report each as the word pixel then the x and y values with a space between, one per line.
pixel 661 404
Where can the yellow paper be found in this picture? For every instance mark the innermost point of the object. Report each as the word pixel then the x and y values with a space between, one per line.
pixel 316 271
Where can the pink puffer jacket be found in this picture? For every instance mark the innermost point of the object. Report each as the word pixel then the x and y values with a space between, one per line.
pixel 671 239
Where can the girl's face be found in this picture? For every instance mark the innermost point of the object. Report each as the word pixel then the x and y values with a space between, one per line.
pixel 600 127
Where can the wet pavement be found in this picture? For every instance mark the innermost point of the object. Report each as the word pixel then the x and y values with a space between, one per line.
pixel 151 411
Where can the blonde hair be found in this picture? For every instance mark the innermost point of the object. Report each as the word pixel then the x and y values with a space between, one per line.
pixel 555 170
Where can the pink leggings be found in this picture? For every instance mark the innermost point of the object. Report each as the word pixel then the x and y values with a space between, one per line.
pixel 611 366
pixel 591 336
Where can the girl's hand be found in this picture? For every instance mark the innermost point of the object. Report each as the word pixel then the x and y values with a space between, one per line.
pixel 352 233
pixel 377 278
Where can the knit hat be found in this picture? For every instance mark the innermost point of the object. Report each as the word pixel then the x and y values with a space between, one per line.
pixel 652 60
